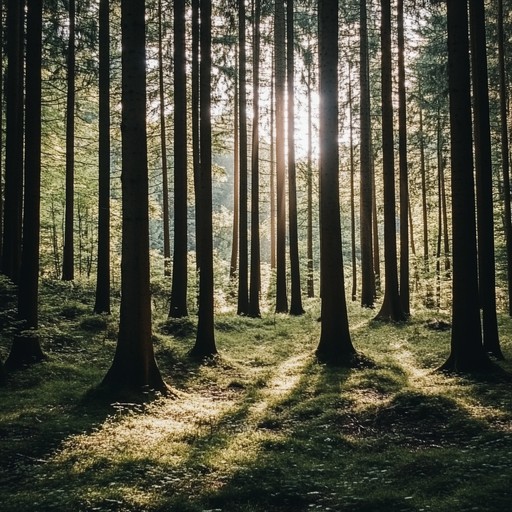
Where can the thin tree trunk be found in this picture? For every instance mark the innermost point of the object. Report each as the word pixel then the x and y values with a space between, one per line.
pixel 205 337
pixel 296 294
pixel 424 210
pixel 236 177
pixel 280 77
pixel 102 304
pixel 443 201
pixel 311 276
pixel 163 142
pixel 352 192
pixel 1 131
pixel 68 263
pixel 484 192
pixel 178 307
pixel 243 255
pixel 13 191
pixel 254 290
pixel 272 171
pixel 403 164
pixel 368 290
pixel 391 309
pixel 375 228
pixel 505 156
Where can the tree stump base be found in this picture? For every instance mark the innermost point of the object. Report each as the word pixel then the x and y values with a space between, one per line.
pixel 26 350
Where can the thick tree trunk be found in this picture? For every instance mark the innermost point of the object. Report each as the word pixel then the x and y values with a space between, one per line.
pixel 368 290
pixel 296 294
pixel 26 347
pixel 391 309
pixel 68 263
pixel 280 77
pixel 254 289
pixel 311 266
pixel 102 304
pixel 335 346
pixel 205 337
pixel 178 307
pixel 467 353
pixel 243 247
pixel 13 191
pixel 484 192
pixel 134 367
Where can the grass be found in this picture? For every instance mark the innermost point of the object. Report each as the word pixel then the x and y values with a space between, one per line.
pixel 262 428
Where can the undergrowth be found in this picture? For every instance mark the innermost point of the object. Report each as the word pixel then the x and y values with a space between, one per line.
pixel 262 428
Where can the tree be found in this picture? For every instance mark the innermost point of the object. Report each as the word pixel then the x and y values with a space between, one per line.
pixel 296 296
pixel 68 270
pixel 26 347
pixel 366 172
pixel 255 280
pixel 404 179
pixel 134 367
pixel 335 346
pixel 13 190
pixel 467 353
pixel 280 74
pixel 178 306
pixel 236 177
pixel 391 309
pixel 352 187
pixel 102 304
pixel 483 165
pixel 243 248
pixel 310 278
pixel 205 337
pixel 505 158
pixel 178 151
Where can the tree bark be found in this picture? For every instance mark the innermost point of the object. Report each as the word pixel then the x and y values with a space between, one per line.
pixel 311 266
pixel 243 247
pixel 368 290
pixel 178 307
pixel 280 76
pixel 352 191
pixel 13 191
pixel 134 367
pixel 102 304
pixel 68 263
pixel 236 176
pixel 335 346
pixel 205 337
pixel 391 309
pixel 467 353
pixel 255 281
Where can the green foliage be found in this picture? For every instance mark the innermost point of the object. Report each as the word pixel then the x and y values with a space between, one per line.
pixel 261 428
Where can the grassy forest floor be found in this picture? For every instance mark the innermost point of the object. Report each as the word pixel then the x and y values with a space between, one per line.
pixel 262 428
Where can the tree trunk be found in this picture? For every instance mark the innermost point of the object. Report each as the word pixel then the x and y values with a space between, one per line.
pixel 296 295
pixel 13 191
pixel 1 137
pixel 255 283
pixel 26 347
pixel 352 192
pixel 467 353
pixel 391 309
pixel 311 266
pixel 368 290
pixel 243 255
pixel 178 307
pixel 205 338
pixel 335 346
pixel 102 304
pixel 68 271
pixel 505 157
pixel 424 210
pixel 404 178
pixel 484 192
pixel 134 367
pixel 163 138
pixel 272 171
pixel 236 177
pixel 280 76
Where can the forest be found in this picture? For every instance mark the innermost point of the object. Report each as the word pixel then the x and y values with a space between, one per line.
pixel 255 255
